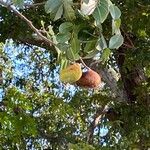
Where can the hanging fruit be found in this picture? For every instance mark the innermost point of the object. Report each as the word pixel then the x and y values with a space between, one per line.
pixel 89 79
pixel 71 73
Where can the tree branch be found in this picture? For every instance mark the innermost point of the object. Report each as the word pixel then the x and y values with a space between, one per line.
pixel 33 41
pixel 21 16
pixel 128 38
pixel 97 117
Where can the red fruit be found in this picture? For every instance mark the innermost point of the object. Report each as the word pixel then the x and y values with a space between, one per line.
pixel 89 79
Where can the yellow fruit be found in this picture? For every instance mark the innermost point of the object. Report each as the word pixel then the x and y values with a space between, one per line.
pixel 89 79
pixel 71 74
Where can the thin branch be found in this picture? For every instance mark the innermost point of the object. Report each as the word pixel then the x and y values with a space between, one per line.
pixel 84 63
pixel 21 16
pixel 127 45
pixel 128 38
pixel 97 117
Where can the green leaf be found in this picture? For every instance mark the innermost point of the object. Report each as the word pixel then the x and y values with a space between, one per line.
pixel 62 38
pixel 62 46
pixel 114 11
pixel 52 5
pixel 90 45
pixel 116 41
pixel 63 63
pixel 65 27
pixel 102 42
pixel 88 7
pixel 105 55
pixel 69 13
pixel 71 55
pixel 118 23
pixel 75 44
pixel 91 54
pixel 115 26
pixel 59 13
pixel 101 12
pixel 55 8
pixel 19 3
pixel 85 34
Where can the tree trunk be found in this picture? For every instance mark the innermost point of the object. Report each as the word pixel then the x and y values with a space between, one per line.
pixel 131 76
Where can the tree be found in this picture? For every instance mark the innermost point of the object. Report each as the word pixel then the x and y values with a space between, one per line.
pixel 40 38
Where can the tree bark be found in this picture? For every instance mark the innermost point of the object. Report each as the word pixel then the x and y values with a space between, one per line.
pixel 131 77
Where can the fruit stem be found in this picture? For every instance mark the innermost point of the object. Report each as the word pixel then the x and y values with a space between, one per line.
pixel 84 63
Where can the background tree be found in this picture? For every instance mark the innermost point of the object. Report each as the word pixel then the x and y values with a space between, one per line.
pixel 40 38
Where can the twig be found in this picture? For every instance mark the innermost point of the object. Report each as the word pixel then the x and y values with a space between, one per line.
pixel 127 45
pixel 96 62
pixel 11 8
pixel 84 63
pixel 132 45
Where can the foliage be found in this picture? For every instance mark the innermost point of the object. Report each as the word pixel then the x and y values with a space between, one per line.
pixel 37 111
